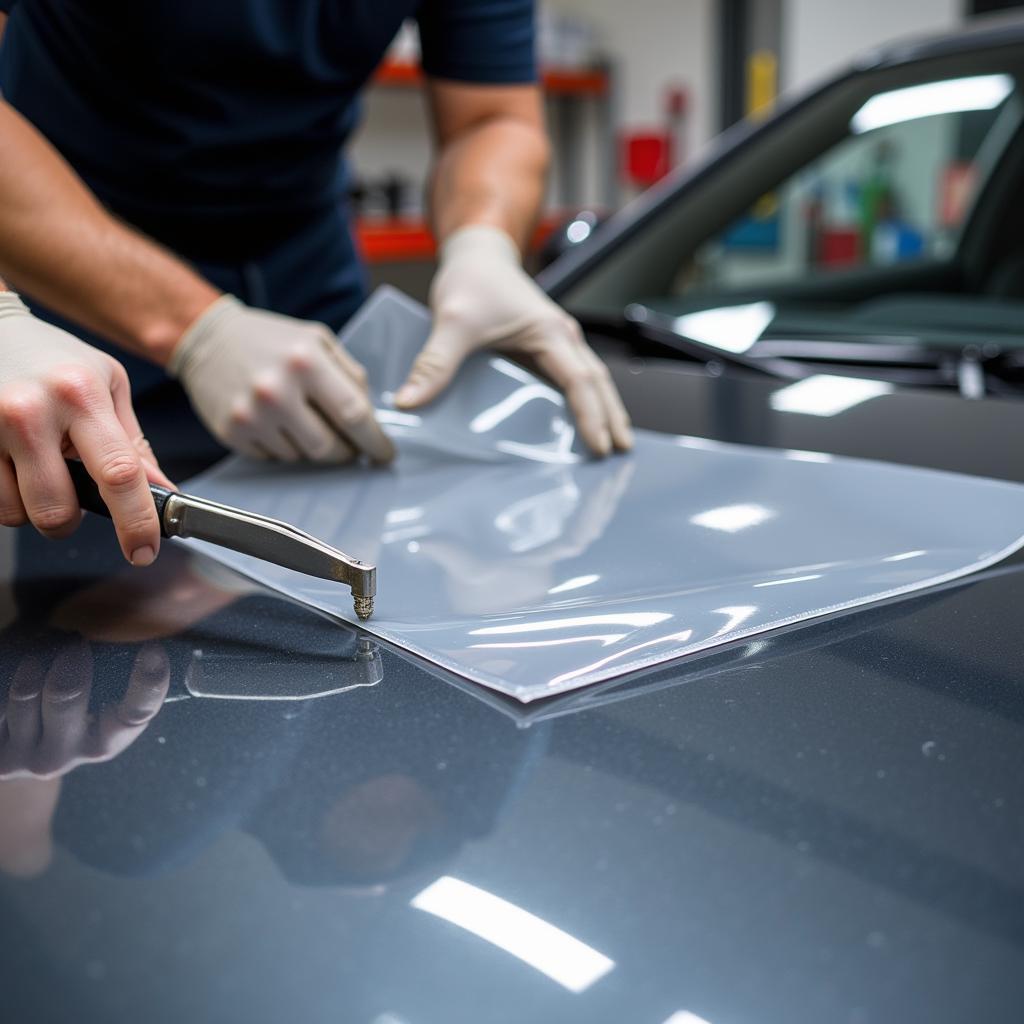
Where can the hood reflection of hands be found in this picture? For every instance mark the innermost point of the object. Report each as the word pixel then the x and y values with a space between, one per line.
pixel 47 730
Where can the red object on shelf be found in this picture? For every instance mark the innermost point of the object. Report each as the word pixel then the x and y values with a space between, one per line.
pixel 409 240
pixel 398 73
pixel 557 81
pixel 839 247
pixel 677 101
pixel 647 157
pixel 956 190
pixel 394 239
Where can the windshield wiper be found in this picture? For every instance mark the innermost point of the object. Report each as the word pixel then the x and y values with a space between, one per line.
pixel 865 349
pixel 970 371
pixel 662 329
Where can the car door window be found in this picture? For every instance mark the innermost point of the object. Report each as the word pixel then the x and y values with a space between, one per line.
pixel 897 189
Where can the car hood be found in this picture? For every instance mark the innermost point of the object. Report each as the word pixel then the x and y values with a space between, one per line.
pixel 820 824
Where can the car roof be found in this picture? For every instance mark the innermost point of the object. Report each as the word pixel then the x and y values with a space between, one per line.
pixel 1004 28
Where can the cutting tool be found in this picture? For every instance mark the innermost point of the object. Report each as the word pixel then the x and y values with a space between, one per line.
pixel 184 515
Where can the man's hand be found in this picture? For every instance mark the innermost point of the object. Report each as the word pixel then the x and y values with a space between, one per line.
pixel 60 397
pixel 482 298
pixel 270 386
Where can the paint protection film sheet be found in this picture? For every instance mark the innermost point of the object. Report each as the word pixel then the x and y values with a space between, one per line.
pixel 505 555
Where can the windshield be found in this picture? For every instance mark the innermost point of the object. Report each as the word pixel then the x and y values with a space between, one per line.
pixel 887 207
pixel 892 194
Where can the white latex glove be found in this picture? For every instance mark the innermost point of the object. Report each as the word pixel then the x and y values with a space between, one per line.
pixel 62 398
pixel 271 386
pixel 482 298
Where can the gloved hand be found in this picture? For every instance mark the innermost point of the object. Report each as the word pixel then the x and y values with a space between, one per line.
pixel 62 398
pixel 270 386
pixel 482 298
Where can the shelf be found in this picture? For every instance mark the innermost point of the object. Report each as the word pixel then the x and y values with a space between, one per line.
pixel 392 240
pixel 408 239
pixel 576 82
pixel 556 81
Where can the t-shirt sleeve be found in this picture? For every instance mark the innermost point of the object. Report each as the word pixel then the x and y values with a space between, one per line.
pixel 6 6
pixel 488 41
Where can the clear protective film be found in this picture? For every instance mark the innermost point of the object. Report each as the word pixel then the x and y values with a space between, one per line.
pixel 508 556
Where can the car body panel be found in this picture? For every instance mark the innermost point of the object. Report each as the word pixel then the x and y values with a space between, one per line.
pixel 820 825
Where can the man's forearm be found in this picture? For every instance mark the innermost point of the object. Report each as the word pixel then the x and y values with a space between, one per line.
pixel 494 174
pixel 60 246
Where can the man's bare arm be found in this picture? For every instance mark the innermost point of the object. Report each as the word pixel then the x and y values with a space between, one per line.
pixel 58 244
pixel 493 157
pixel 486 193
pixel 266 385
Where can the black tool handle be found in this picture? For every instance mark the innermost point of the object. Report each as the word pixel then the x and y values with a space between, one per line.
pixel 89 494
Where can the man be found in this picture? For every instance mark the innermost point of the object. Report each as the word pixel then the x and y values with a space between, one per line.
pixel 210 134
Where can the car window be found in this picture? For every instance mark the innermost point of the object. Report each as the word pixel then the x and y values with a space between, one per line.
pixel 896 190
pixel 847 215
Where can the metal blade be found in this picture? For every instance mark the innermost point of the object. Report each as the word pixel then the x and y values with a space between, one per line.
pixel 272 541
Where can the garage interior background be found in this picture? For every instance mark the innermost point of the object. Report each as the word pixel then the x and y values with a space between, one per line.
pixel 633 91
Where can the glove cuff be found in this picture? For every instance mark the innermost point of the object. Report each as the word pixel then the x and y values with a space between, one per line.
pixel 195 338
pixel 480 242
pixel 11 305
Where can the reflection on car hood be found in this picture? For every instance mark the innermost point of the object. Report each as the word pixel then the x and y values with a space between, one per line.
pixel 839 796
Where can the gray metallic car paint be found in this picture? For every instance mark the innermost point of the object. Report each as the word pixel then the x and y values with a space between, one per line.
pixel 822 824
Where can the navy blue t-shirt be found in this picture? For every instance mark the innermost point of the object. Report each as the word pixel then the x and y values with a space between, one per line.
pixel 195 112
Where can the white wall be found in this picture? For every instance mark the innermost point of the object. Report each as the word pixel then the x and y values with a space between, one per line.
pixel 655 43
pixel 394 136
pixel 821 36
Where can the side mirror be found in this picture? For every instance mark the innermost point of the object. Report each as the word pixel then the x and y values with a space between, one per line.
pixel 572 232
